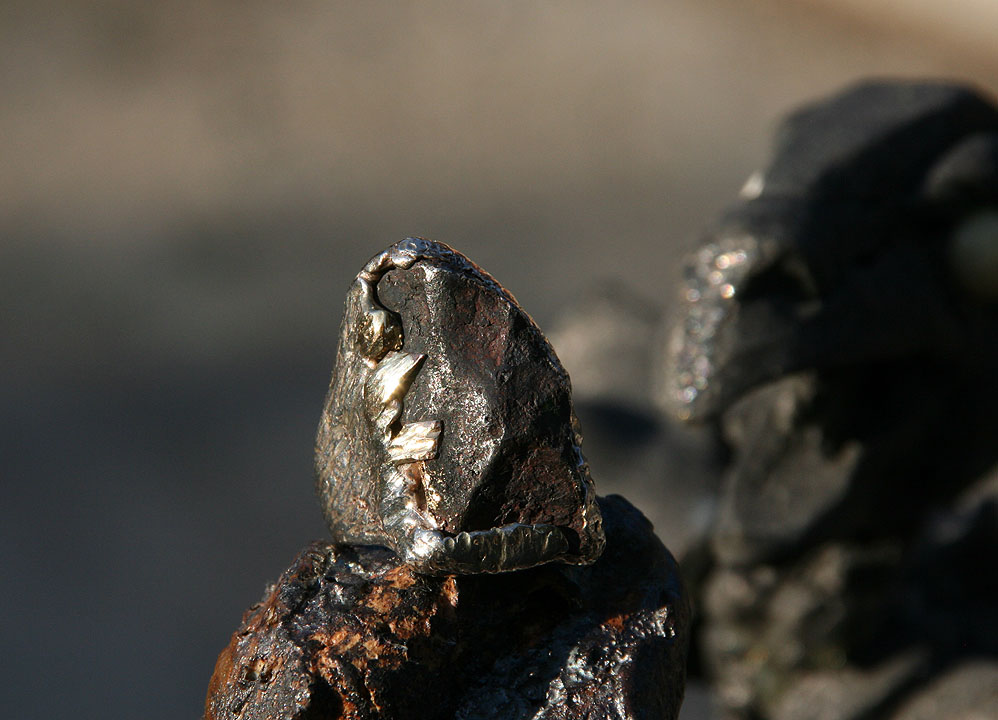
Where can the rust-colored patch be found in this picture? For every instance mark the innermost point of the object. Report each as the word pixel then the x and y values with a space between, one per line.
pixel 617 622
pixel 373 648
pixel 449 591
pixel 219 679
pixel 400 577
pixel 339 642
pixel 415 473
pixel 408 627
pixel 385 595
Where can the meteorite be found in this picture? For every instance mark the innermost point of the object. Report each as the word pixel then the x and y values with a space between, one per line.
pixel 448 433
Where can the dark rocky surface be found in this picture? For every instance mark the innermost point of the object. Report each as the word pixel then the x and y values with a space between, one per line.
pixel 849 367
pixel 348 632
pixel 836 255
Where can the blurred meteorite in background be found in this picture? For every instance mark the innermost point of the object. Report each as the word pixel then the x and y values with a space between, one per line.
pixel 187 188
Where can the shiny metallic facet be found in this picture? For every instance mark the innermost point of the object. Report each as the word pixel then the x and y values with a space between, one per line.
pixel 416 441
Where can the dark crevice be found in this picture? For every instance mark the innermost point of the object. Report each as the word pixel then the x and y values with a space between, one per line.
pixel 324 703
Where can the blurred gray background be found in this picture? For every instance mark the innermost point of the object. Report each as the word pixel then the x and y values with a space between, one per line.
pixel 189 187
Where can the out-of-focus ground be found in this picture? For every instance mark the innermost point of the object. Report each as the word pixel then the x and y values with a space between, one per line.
pixel 187 189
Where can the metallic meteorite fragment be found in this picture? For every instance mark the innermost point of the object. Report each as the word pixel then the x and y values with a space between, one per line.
pixel 835 255
pixel 448 433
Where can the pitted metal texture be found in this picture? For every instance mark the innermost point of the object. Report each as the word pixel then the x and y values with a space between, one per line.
pixel 448 433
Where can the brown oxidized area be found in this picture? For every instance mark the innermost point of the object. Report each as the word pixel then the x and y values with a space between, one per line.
pixel 448 433
pixel 335 616
pixel 350 633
